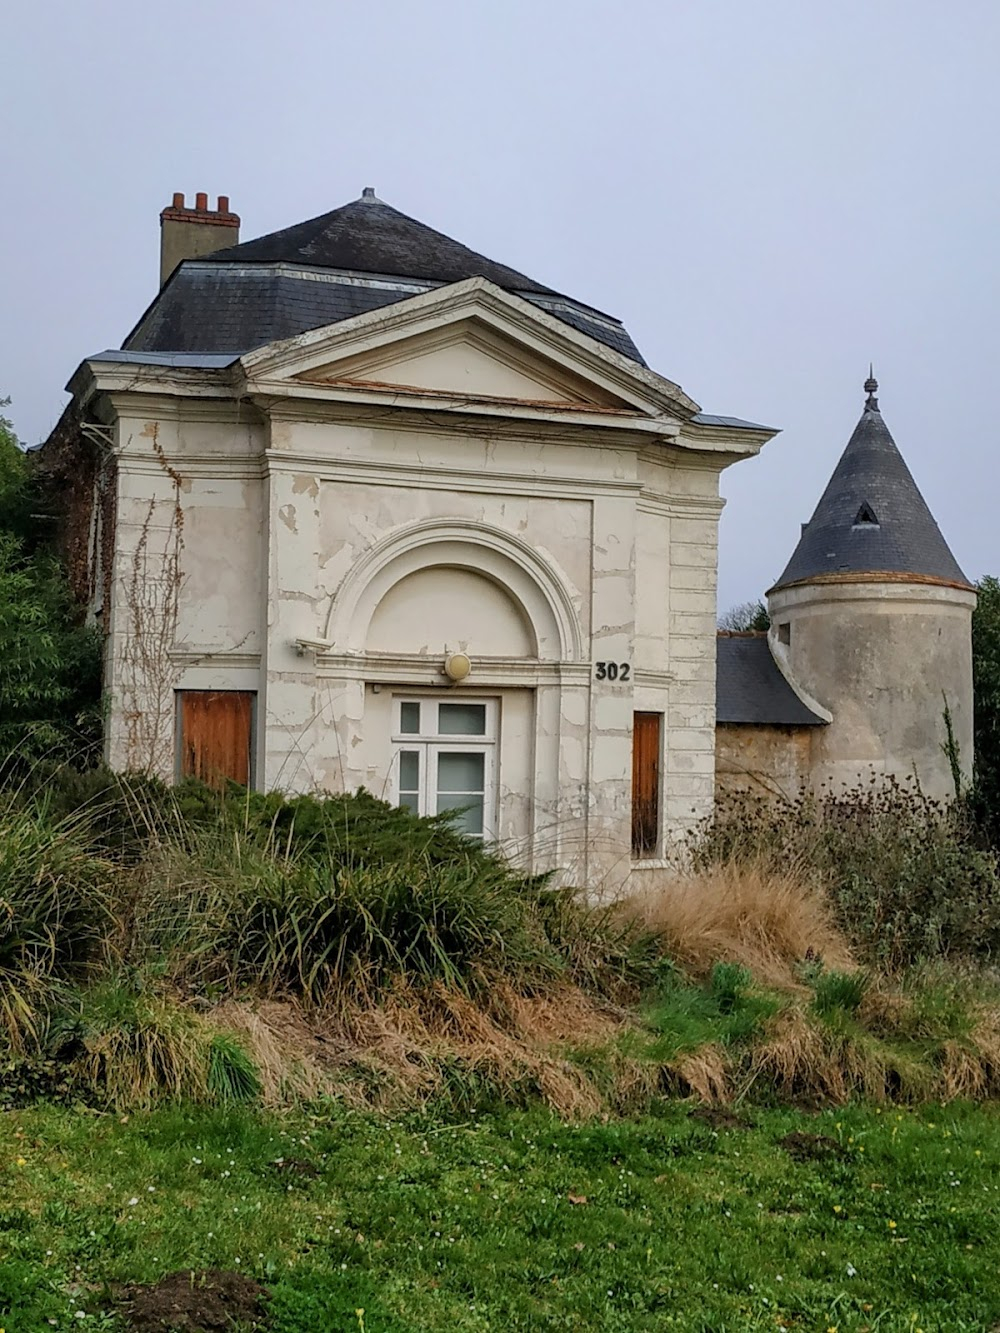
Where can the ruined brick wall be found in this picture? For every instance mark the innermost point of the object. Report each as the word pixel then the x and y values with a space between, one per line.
pixel 78 485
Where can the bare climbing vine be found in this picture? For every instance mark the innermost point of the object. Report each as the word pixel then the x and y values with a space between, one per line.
pixel 147 674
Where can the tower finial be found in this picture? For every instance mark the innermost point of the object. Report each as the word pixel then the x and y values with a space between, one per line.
pixel 871 389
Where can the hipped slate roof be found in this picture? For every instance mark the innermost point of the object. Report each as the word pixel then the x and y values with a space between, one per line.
pixel 356 258
pixel 750 689
pixel 872 519
pixel 370 236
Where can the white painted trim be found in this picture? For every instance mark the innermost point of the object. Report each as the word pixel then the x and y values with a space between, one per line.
pixel 375 472
pixel 529 577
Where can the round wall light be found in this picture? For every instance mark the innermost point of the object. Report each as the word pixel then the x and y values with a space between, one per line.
pixel 457 666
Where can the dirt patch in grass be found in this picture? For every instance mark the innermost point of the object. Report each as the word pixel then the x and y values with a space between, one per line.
pixel 210 1301
pixel 295 1166
pixel 811 1147
pixel 717 1117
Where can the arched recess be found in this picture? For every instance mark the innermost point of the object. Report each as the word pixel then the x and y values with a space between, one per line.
pixel 489 552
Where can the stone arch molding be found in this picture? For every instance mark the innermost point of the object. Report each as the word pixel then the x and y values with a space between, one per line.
pixel 525 575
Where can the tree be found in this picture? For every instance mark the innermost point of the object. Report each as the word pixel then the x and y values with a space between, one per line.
pixel 49 664
pixel 746 616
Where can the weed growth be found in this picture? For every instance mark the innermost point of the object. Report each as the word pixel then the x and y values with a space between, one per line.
pixel 906 877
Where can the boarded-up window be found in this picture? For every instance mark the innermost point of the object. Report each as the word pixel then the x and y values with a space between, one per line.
pixel 645 783
pixel 215 734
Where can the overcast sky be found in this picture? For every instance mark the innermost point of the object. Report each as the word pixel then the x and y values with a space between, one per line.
pixel 769 193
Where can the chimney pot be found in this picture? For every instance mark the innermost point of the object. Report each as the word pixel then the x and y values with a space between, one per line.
pixel 201 202
pixel 223 203
pixel 178 201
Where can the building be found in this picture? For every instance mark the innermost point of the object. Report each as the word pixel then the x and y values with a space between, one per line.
pixel 356 506
pixel 868 660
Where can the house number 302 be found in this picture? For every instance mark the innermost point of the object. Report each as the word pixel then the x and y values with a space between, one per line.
pixel 612 670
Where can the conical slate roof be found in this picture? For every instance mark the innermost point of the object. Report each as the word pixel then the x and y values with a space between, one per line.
pixel 872 519
pixel 360 257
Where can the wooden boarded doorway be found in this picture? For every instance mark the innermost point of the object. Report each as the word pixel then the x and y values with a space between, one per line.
pixel 645 783
pixel 215 734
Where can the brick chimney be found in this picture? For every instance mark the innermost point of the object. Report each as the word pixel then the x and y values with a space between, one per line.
pixel 189 233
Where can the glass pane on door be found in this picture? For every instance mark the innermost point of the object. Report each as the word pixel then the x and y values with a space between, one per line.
pixel 461 785
pixel 461 770
pixel 409 780
pixel 470 821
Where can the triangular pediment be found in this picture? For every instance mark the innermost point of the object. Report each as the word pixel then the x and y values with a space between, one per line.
pixel 468 342
pixel 465 357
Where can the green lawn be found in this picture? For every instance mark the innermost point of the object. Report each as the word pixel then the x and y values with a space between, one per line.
pixel 515 1221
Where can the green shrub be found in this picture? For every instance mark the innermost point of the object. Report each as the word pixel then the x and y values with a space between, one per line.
pixel 54 910
pixel 839 992
pixel 728 1010
pixel 299 896
pixel 905 874
pixel 139 1046
pixel 257 917
pixel 232 1075
pixel 50 665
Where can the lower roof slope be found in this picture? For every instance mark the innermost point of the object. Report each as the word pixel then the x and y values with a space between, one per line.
pixel 872 519
pixel 750 689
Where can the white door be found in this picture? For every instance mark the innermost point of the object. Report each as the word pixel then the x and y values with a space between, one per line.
pixel 445 759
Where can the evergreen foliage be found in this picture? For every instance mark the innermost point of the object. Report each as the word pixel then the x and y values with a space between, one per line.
pixel 49 664
pixel 746 616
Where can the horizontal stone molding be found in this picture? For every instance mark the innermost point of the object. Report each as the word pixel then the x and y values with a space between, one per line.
pixel 658 680
pixel 416 669
pixel 213 657
pixel 686 506
pixel 428 476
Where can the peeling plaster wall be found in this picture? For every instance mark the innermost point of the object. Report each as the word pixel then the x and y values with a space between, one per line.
pixel 330 564
pixel 185 593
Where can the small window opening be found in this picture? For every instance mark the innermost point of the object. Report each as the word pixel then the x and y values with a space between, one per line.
pixel 785 632
pixel 866 517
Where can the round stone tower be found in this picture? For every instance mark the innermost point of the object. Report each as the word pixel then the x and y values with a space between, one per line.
pixel 872 620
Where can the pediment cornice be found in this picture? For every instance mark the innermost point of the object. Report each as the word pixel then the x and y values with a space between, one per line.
pixel 612 379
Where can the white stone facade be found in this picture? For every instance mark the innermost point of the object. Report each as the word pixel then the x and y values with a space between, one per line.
pixel 324 521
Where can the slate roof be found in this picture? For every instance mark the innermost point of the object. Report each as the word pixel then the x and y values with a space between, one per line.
pixel 710 419
pixel 360 257
pixel 370 236
pixel 750 689
pixel 872 519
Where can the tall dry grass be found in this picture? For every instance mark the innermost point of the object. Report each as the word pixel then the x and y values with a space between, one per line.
pixel 741 912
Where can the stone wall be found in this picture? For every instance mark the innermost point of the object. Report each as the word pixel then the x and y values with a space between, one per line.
pixel 765 760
